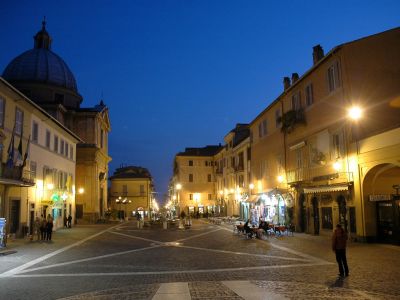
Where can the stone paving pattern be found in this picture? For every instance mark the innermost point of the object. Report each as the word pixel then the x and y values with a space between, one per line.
pixel 374 268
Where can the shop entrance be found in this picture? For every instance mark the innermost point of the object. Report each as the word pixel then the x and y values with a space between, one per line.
pixel 381 186
pixel 315 207
pixel 388 223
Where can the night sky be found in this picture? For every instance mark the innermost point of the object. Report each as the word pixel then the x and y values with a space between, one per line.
pixel 178 74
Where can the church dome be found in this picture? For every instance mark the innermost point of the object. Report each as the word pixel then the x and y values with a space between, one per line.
pixel 40 65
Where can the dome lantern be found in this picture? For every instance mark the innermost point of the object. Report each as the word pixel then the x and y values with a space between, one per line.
pixel 42 38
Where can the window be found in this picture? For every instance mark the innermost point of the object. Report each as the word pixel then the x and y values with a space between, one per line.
pixel 264 127
pixel 56 144
pixel 337 148
pixel 101 138
pixel 296 101
pixel 299 158
pixel 280 168
pixel 62 147
pixel 209 196
pixel 309 95
pixel 124 190
pixel 191 163
pixel 209 177
pixel 48 139
pixel 206 163
pixel 241 181
pixel 327 222
pixel 141 190
pixel 19 121
pixel 60 179
pixel 333 77
pixel 191 196
pixel 33 168
pixel 259 130
pixel 71 152
pixel 2 108
pixel 35 132
pixel 190 177
pixel 278 118
pixel 66 149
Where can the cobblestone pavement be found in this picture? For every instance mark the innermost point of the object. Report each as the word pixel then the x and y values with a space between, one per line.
pixel 204 262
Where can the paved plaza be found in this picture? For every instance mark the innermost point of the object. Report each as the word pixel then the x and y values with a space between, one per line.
pixel 120 261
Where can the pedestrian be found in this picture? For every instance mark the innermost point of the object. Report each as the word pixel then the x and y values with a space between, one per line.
pixel 69 220
pixel 43 233
pixel 36 228
pixel 65 221
pixel 49 228
pixel 339 240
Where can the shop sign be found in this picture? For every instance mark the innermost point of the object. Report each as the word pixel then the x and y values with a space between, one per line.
pixel 326 197
pixel 55 197
pixel 374 198
pixel 47 202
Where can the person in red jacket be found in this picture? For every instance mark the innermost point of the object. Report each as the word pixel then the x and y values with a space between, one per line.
pixel 339 240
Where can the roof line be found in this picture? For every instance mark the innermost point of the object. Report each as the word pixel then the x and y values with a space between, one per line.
pixel 40 109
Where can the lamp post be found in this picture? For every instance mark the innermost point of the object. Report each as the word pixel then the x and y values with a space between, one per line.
pixel 118 201
pixel 178 188
pixel 355 113
pixel 279 196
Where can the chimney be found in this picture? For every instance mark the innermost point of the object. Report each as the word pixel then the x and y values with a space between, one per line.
pixel 295 77
pixel 286 83
pixel 318 54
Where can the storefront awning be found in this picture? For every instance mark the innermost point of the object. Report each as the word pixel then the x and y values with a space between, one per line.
pixel 253 198
pixel 326 189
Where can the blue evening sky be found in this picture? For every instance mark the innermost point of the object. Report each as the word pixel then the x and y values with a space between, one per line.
pixel 178 74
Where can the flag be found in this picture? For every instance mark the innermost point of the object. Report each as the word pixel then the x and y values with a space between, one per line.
pixel 27 151
pixel 18 157
pixel 10 152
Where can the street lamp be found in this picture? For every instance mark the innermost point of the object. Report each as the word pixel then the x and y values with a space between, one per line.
pixel 354 113
pixel 118 201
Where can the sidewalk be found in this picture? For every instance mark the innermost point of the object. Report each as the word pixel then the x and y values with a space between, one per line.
pixel 21 250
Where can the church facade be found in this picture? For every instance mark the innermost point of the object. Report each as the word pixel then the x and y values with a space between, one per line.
pixel 44 77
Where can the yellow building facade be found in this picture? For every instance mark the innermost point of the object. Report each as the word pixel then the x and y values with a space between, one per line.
pixel 232 172
pixel 131 192
pixel 309 156
pixel 93 126
pixel 194 181
pixel 40 180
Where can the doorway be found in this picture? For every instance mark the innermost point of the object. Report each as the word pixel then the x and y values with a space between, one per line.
pixel 388 223
pixel 15 210
pixel 303 214
pixel 315 208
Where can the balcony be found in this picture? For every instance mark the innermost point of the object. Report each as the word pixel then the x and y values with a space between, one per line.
pixel 291 119
pixel 239 168
pixel 317 174
pixel 17 175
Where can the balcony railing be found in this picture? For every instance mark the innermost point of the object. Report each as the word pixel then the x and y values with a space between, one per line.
pixel 239 168
pixel 18 174
pixel 317 174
